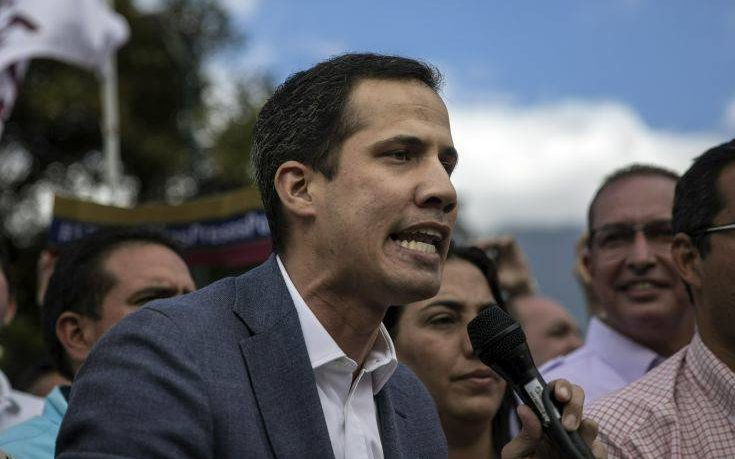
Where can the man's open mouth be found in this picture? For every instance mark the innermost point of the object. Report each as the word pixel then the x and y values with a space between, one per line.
pixel 420 240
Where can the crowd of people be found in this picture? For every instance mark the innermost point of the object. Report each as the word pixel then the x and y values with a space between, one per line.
pixel 351 340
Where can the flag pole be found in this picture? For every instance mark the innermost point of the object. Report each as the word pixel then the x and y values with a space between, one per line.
pixel 111 122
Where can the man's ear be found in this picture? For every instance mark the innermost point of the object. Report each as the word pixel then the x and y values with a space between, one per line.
pixel 293 183
pixel 10 311
pixel 585 267
pixel 687 260
pixel 74 332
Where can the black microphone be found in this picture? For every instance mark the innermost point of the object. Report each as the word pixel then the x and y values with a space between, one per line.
pixel 499 342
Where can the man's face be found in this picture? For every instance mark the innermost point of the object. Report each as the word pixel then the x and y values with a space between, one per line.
pixel 550 330
pixel 634 279
pixel 143 272
pixel 385 218
pixel 716 299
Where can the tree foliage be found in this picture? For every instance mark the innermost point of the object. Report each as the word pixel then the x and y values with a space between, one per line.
pixel 175 141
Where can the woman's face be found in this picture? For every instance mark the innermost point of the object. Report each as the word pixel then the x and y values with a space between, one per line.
pixel 432 340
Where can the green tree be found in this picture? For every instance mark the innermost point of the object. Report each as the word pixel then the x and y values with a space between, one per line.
pixel 171 148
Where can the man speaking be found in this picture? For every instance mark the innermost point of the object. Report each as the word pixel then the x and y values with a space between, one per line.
pixel 353 159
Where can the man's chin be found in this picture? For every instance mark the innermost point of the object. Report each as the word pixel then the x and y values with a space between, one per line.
pixel 414 290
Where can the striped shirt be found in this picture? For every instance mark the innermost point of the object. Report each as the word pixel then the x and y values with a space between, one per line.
pixel 684 408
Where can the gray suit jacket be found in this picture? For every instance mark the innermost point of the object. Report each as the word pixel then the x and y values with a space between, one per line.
pixel 223 373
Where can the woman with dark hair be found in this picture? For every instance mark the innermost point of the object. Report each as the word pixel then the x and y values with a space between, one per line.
pixel 430 336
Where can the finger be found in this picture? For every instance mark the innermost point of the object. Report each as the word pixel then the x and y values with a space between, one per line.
pixel 588 431
pixel 598 450
pixel 527 440
pixel 572 396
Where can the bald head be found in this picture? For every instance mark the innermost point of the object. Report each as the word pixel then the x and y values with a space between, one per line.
pixel 550 330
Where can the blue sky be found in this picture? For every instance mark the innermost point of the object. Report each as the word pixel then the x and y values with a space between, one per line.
pixel 673 61
pixel 548 96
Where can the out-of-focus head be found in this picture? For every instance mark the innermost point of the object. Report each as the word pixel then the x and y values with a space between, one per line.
pixel 7 295
pixel 550 330
pixel 353 158
pixel 431 338
pixel 704 248
pixel 629 256
pixel 101 278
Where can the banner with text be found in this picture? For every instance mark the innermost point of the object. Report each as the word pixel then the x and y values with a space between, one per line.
pixel 225 230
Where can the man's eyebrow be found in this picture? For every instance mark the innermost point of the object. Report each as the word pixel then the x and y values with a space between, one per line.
pixel 403 139
pixel 413 141
pixel 451 304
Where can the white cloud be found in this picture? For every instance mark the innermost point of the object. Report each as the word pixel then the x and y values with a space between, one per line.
pixel 540 165
pixel 241 9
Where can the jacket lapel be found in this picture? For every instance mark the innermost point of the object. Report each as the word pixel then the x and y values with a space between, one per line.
pixel 279 367
pixel 389 417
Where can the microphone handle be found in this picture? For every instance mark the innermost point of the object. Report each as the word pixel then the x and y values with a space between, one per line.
pixel 537 395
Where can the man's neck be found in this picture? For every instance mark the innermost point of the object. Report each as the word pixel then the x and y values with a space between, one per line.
pixel 721 346
pixel 662 343
pixel 351 322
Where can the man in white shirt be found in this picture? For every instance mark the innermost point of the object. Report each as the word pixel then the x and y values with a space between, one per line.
pixel 645 314
pixel 15 406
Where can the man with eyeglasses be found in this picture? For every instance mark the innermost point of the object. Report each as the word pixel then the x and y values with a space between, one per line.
pixel 685 407
pixel 645 314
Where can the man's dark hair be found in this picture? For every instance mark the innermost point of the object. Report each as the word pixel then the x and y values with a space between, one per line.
pixel 633 170
pixel 500 423
pixel 306 120
pixel 697 199
pixel 80 282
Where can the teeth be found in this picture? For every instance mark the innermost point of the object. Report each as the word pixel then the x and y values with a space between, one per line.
pixel 418 246
pixel 643 285
pixel 430 232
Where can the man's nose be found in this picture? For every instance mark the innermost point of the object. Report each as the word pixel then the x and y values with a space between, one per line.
pixel 641 256
pixel 436 190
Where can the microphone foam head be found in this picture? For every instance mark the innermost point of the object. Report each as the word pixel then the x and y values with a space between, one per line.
pixel 494 333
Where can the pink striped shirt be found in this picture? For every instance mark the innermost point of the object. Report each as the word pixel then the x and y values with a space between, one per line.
pixel 684 408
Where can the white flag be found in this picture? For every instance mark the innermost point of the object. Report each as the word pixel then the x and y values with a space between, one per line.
pixel 80 32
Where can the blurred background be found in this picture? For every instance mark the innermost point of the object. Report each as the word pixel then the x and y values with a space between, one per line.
pixel 545 99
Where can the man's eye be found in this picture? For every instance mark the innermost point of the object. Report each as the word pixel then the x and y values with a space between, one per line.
pixel 442 320
pixel 613 238
pixel 400 155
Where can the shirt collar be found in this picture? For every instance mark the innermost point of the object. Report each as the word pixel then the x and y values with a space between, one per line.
pixel 6 401
pixel 712 374
pixel 628 358
pixel 381 360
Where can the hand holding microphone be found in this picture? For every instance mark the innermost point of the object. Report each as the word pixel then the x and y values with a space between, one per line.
pixel 500 343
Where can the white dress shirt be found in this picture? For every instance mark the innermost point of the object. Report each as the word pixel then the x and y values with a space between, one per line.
pixel 349 407
pixel 607 361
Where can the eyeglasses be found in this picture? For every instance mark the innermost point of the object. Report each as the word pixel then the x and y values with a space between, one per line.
pixel 715 229
pixel 617 238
